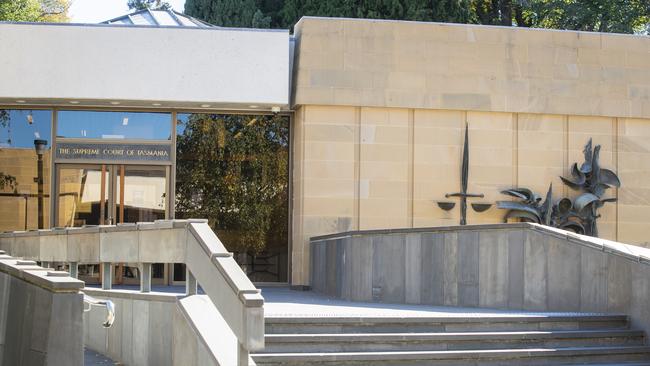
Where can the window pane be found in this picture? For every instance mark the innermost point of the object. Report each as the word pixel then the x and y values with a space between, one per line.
pixel 233 171
pixel 21 171
pixel 114 125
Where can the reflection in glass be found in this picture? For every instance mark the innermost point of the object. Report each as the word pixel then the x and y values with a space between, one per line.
pixel 141 191
pixel 233 170
pixel 19 168
pixel 82 196
pixel 114 125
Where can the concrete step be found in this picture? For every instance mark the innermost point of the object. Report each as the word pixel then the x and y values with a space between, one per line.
pixel 370 342
pixel 524 356
pixel 542 322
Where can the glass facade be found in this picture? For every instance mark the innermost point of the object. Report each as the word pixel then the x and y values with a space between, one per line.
pixel 234 170
pixel 114 125
pixel 25 161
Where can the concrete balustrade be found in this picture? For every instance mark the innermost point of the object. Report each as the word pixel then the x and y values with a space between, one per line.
pixel 209 265
pixel 505 266
pixel 40 315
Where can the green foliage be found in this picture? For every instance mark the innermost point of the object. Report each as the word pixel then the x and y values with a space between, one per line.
pixel 227 13
pixel 233 170
pixel 623 16
pixel 148 4
pixel 20 10
pixel 34 10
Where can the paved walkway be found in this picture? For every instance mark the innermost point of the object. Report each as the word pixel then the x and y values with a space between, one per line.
pixel 92 358
pixel 283 302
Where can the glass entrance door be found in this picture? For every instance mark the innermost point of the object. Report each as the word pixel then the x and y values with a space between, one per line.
pixel 110 194
pixel 102 194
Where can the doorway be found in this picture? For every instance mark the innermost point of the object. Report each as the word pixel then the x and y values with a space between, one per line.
pixel 105 194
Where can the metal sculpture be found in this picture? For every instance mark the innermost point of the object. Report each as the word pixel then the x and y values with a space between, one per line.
pixel 579 215
pixel 463 195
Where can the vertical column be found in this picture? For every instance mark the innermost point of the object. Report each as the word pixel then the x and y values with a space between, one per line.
pixel 145 277
pixel 242 355
pixel 74 269
pixel 190 283
pixel 107 276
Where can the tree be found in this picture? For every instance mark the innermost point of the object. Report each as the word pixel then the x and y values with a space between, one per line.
pixel 228 13
pixel 53 11
pixel 233 170
pixel 624 16
pixel 148 4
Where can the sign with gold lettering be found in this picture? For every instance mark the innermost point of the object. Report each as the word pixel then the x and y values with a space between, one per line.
pixel 112 152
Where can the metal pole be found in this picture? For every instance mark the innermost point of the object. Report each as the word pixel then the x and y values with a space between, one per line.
pixel 40 191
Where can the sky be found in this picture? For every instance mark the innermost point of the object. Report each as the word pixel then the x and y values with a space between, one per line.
pixel 95 11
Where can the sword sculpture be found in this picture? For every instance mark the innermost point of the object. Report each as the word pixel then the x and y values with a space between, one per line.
pixel 463 195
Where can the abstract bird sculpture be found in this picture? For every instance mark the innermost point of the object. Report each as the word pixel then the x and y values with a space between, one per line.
pixel 579 215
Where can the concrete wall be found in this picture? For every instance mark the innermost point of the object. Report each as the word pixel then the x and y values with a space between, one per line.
pixel 143 331
pixel 40 316
pixel 160 329
pixel 230 68
pixel 379 63
pixel 506 266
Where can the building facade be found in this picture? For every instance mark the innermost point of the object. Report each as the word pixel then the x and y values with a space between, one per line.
pixel 366 120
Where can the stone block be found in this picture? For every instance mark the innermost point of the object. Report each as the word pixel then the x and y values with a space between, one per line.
pixel 362 268
pixel 468 269
pixel 431 265
pixel 535 271
pixel 413 257
pixel 563 275
pixel 53 247
pixel 493 269
pixel 516 269
pixel 83 247
pixel 450 274
pixel 388 276
pixel 593 280
pixel 119 246
pixel 162 246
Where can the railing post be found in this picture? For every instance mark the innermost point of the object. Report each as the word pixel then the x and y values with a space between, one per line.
pixel 145 277
pixel 242 355
pixel 107 276
pixel 191 287
pixel 74 269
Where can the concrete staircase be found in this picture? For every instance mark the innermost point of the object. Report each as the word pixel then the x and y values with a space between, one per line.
pixel 571 339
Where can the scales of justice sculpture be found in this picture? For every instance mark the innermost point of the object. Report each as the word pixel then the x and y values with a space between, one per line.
pixel 578 215
pixel 463 195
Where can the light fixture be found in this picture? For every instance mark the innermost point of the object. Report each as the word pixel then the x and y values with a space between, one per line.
pixel 115 103
pixel 40 146
pixel 20 101
pixel 30 118
pixel 275 109
pixel 74 102
pixel 205 105
pixel 125 121
pixel 156 104
pixel 253 106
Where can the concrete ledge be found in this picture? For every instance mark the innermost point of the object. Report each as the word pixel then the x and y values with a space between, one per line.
pixel 39 276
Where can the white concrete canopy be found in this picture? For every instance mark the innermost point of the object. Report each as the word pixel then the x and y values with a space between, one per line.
pixel 53 64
